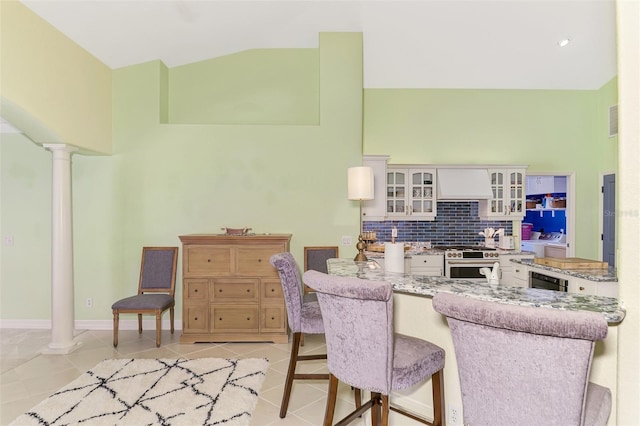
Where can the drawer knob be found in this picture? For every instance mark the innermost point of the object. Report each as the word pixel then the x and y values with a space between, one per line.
pixel 581 288
pixel 248 291
pixel 220 319
pixel 220 291
pixel 248 318
pixel 195 291
pixel 517 270
pixel 259 260
pixel 196 318
pixel 208 260
pixel 273 318
pixel 273 290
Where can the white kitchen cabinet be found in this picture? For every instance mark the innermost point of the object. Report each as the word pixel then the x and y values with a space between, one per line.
pixel 411 193
pixel 431 265
pixel 596 288
pixel 541 185
pixel 514 274
pixel 375 210
pixel 580 286
pixel 508 187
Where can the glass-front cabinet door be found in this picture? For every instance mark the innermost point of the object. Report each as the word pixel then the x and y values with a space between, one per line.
pixel 411 193
pixel 508 189
pixel 422 192
pixel 496 177
pixel 517 193
pixel 396 193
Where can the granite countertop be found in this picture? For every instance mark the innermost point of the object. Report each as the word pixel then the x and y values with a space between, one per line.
pixel 599 275
pixel 433 252
pixel 429 286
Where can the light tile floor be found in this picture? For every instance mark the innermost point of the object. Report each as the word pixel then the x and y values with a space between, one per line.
pixel 28 377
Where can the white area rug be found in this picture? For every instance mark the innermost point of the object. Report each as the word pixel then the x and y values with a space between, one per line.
pixel 205 391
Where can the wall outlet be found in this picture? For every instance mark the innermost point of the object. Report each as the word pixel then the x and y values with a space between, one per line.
pixel 89 302
pixel 347 240
pixel 454 416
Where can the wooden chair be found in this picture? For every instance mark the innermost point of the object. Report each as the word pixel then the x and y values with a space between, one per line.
pixel 155 290
pixel 315 258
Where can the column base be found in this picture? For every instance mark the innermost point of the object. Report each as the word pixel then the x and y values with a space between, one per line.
pixel 61 350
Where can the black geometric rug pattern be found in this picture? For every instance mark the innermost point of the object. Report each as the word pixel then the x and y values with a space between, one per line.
pixel 204 391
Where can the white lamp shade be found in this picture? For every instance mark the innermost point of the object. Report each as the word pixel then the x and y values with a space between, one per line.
pixel 360 183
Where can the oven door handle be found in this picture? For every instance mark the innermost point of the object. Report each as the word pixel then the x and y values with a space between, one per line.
pixel 453 262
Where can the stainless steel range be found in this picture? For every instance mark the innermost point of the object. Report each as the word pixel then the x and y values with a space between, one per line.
pixel 464 262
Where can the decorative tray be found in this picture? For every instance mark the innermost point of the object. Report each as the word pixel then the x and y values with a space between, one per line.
pixel 379 248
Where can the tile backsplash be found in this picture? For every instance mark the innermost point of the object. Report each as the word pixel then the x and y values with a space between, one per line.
pixel 456 223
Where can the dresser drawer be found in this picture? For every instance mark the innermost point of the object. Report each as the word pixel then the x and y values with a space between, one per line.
pixel 236 318
pixel 272 291
pixel 255 261
pixel 235 289
pixel 195 319
pixel 521 272
pixel 273 319
pixel 195 290
pixel 207 260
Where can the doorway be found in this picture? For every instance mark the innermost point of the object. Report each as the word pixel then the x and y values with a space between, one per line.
pixel 608 235
pixel 551 211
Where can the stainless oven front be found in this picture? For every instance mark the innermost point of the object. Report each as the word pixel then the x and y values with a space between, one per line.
pixel 467 269
pixel 538 280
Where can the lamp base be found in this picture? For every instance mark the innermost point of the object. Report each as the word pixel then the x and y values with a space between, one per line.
pixel 360 257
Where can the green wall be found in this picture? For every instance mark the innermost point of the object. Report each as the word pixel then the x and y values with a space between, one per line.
pixel 232 90
pixel 548 130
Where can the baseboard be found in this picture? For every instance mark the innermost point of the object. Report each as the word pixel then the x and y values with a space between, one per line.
pixel 127 324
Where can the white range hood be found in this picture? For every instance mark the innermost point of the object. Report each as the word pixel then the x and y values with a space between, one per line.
pixel 463 184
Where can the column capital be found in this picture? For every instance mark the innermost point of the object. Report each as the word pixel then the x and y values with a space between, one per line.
pixel 63 147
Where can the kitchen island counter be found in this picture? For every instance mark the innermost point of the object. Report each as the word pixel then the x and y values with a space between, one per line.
pixel 599 275
pixel 429 286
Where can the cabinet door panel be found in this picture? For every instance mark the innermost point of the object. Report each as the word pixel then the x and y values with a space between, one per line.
pixel 236 318
pixel 201 260
pixel 255 261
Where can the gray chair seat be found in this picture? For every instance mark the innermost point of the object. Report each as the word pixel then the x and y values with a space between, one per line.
pixel 598 405
pixel 414 361
pixel 144 301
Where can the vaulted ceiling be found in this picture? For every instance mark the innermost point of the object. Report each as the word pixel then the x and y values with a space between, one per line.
pixel 503 44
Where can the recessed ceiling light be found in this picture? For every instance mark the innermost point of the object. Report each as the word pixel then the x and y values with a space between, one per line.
pixel 564 42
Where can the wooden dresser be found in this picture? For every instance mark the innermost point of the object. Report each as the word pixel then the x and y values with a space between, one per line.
pixel 230 291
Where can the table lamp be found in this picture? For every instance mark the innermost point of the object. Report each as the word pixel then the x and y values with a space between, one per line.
pixel 360 188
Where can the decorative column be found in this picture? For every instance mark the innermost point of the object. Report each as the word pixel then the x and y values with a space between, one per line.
pixel 62 306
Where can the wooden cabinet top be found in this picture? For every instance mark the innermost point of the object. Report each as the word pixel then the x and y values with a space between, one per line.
pixel 234 239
